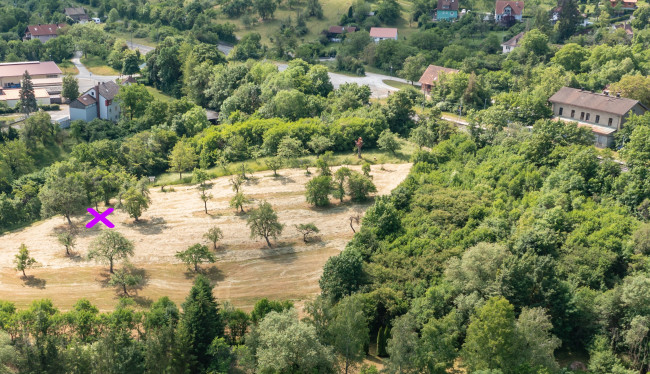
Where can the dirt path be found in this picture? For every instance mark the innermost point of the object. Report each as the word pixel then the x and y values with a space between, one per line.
pixel 245 271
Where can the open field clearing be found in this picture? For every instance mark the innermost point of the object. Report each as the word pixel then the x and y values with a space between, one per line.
pixel 245 270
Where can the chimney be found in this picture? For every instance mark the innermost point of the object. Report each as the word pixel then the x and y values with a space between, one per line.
pixel 97 100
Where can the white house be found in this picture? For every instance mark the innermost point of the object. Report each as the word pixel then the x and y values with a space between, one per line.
pixel 604 114
pixel 98 102
pixel 43 32
pixel 513 43
pixel 11 97
pixel 383 33
pixel 508 11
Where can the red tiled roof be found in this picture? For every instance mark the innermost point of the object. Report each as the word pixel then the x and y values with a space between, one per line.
pixel 433 72
pixel 43 30
pixel 86 100
pixel 336 30
pixel 383 32
pixel 447 5
pixel 517 7
pixel 17 69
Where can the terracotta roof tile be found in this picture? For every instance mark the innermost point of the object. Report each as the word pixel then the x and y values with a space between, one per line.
pixel 383 32
pixel 43 30
pixel 433 72
pixel 517 7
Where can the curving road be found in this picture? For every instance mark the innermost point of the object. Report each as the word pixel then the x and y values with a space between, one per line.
pixel 378 88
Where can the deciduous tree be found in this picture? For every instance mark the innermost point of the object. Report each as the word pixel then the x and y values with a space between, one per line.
pixel 263 222
pixel 306 229
pixel 23 260
pixel 125 278
pixel 214 234
pixel 110 246
pixel 182 158
pixel 195 255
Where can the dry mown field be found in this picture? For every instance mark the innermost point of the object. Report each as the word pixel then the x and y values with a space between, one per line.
pixel 245 271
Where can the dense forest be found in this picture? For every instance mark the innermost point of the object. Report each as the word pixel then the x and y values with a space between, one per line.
pixel 505 254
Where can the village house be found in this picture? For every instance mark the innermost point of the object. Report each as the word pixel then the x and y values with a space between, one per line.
pixel 507 12
pixel 11 73
pixel 432 75
pixel 383 33
pixel 513 43
pixel 43 32
pixel 447 10
pixel 604 114
pixel 335 33
pixel 11 96
pixel 629 5
pixel 77 14
pixel 625 27
pixel 98 102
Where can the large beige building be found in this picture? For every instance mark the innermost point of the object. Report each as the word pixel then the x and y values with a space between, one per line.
pixel 604 114
pixel 11 73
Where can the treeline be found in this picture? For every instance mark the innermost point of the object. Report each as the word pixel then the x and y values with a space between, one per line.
pixel 504 251
pixel 155 136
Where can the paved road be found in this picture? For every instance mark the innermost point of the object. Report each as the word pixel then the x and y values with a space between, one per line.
pixel 86 79
pixel 454 119
pixel 378 88
pixel 144 49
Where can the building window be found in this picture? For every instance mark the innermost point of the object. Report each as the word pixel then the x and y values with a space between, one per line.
pixel 573 113
pixel 582 116
pixel 561 109
pixel 597 118
pixel 609 123
pixel 587 117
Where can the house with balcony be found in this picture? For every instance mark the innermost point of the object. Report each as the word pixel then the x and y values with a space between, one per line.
pixel 447 10
pixel 603 113
pixel 508 12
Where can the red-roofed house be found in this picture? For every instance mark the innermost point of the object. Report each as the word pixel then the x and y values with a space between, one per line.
pixel 334 33
pixel 508 11
pixel 625 4
pixel 431 76
pixel 43 32
pixel 382 33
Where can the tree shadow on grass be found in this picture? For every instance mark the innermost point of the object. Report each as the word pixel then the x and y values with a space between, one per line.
pixel 212 272
pixel 32 281
pixel 282 252
pixel 285 180
pixel 151 226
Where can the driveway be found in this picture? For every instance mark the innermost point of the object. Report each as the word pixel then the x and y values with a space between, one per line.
pixel 378 88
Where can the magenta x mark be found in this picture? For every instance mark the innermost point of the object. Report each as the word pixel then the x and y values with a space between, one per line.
pixel 100 217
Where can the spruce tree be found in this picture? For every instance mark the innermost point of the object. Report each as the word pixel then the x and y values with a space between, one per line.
pixel 27 96
pixel 201 322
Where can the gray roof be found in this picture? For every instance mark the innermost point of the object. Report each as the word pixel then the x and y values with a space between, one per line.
pixel 594 101
pixel 108 89
pixel 75 11
pixel 514 42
